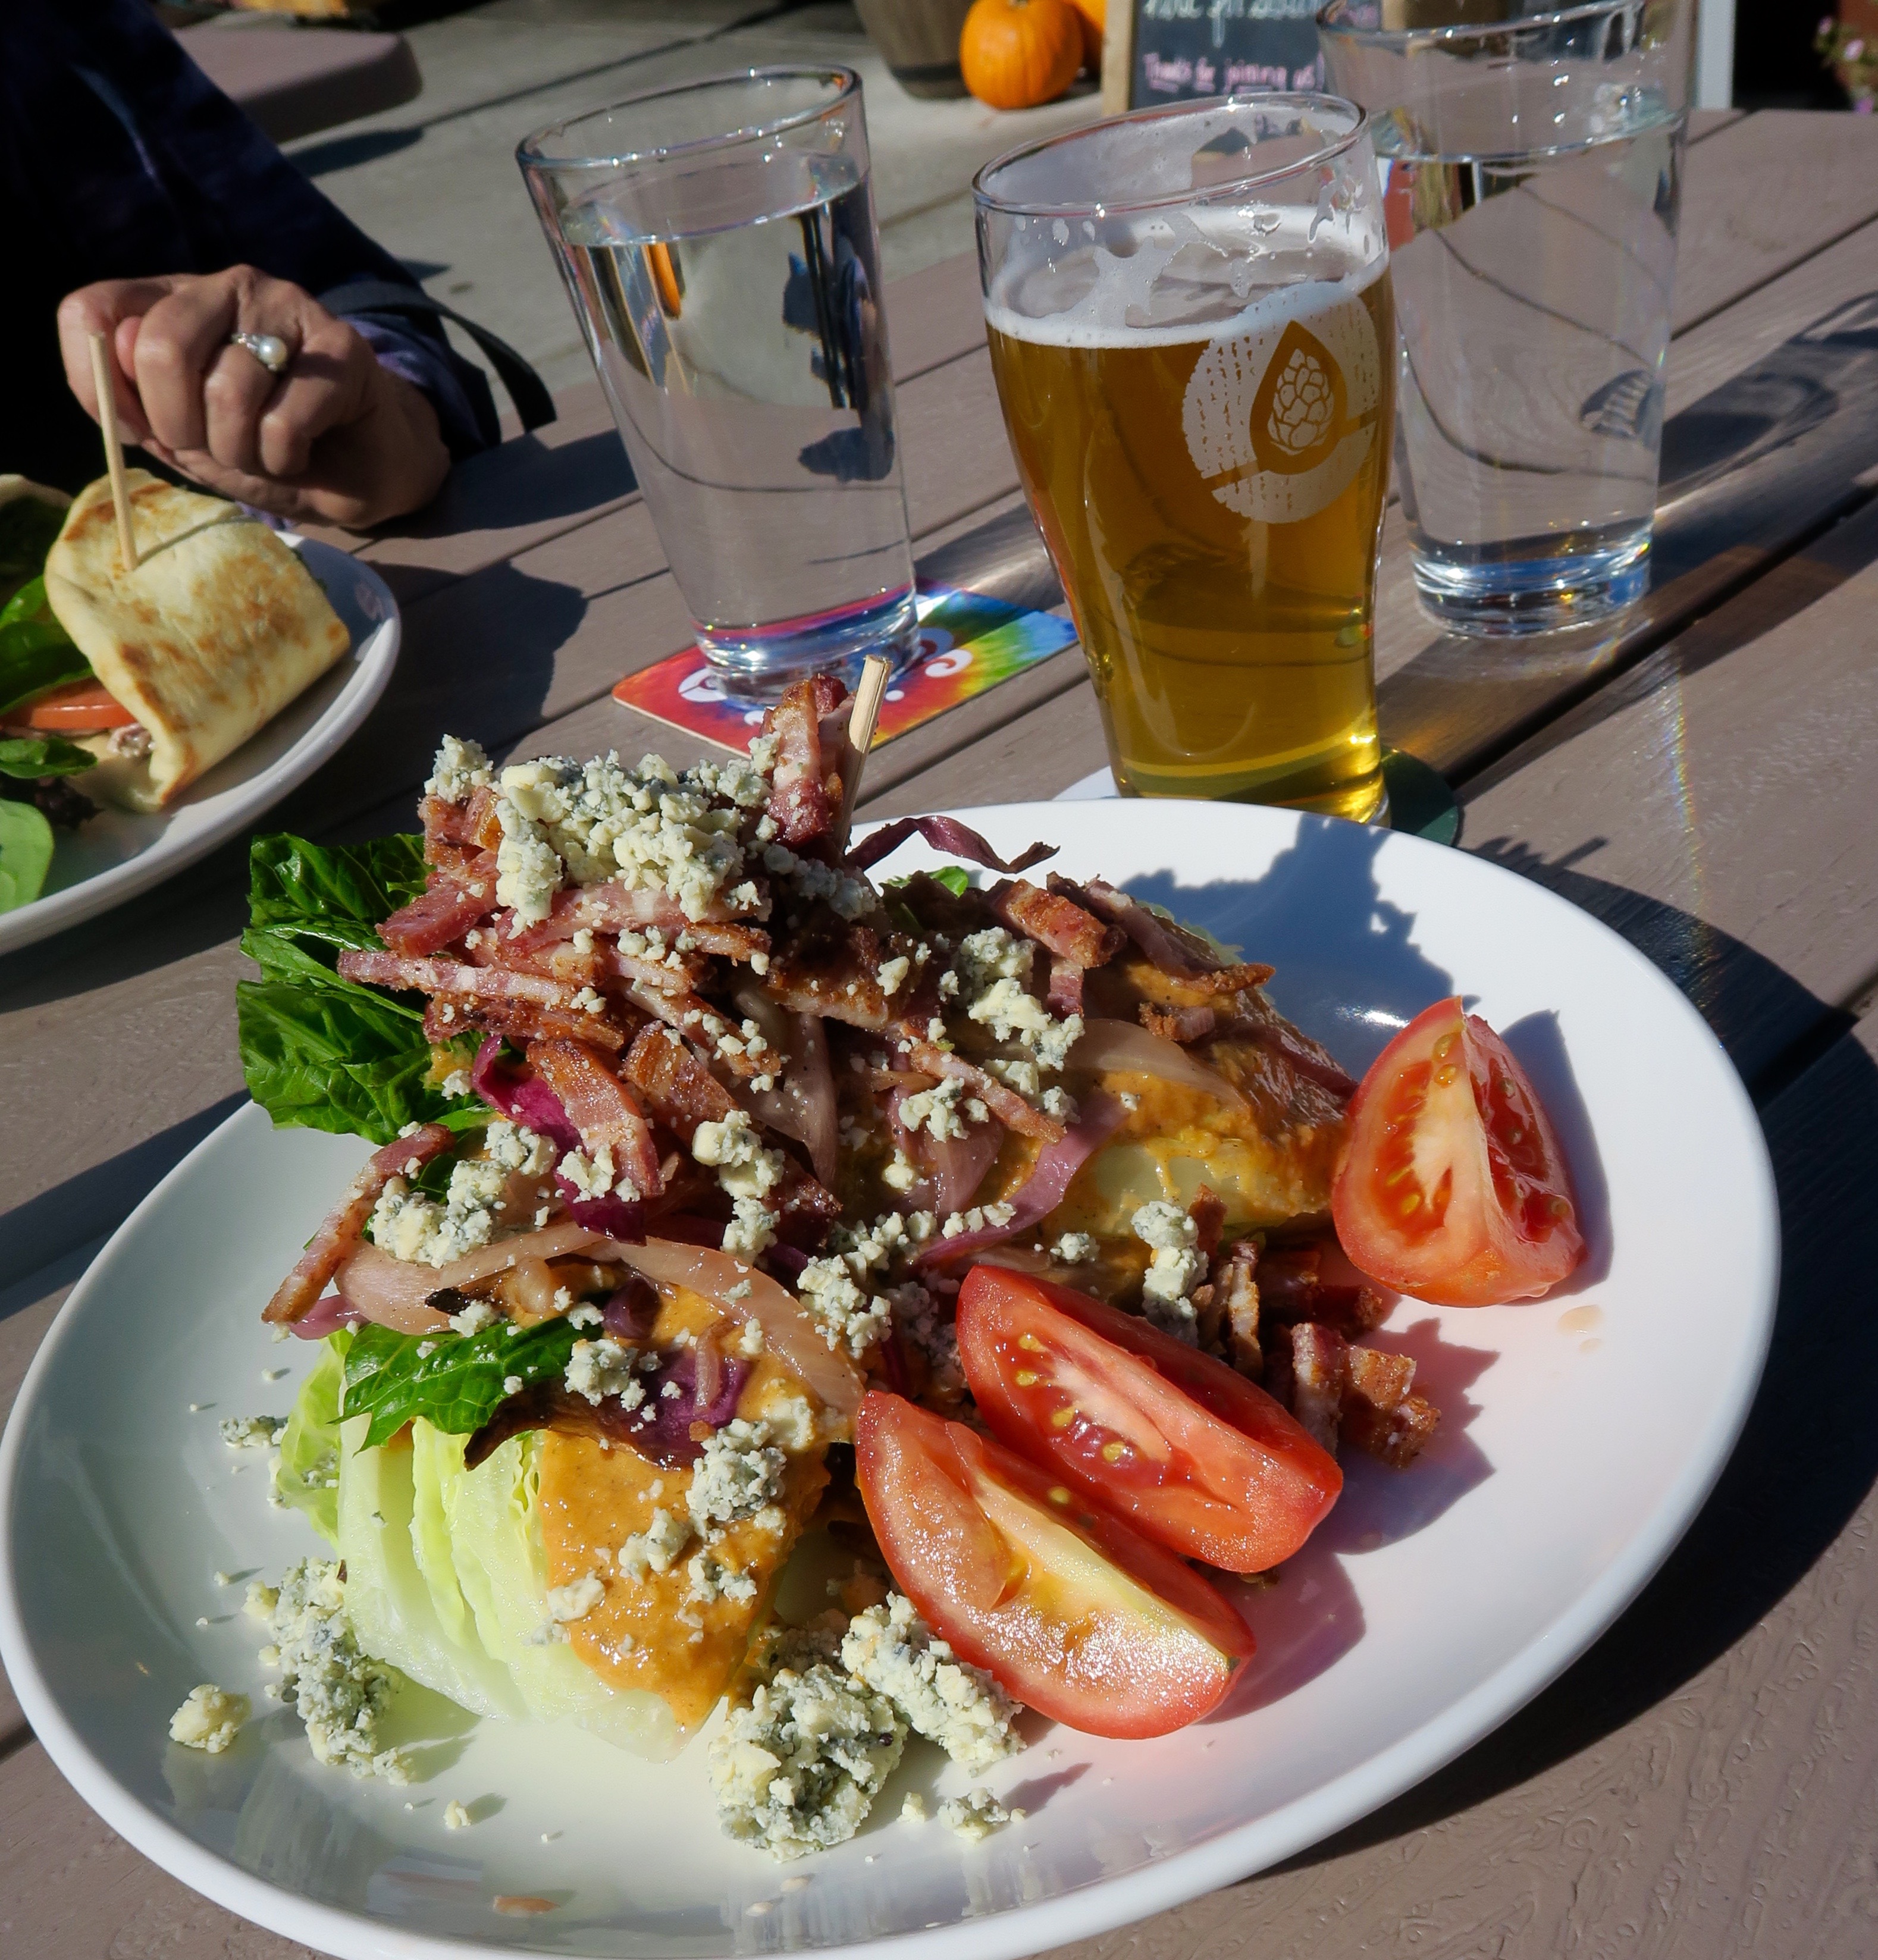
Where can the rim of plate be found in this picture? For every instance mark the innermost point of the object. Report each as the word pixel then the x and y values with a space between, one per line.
pixel 1105 1904
pixel 376 656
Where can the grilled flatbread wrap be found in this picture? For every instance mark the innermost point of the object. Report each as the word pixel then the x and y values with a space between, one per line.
pixel 217 630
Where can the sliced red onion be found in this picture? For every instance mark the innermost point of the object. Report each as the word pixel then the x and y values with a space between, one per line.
pixel 1171 951
pixel 660 1428
pixel 615 1217
pixel 942 833
pixel 1125 1046
pixel 1043 1192
pixel 327 1316
pixel 522 1098
pixel 802 1105
pixel 955 1167
pixel 628 1314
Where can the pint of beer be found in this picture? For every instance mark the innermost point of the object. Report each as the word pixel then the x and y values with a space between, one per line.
pixel 1190 324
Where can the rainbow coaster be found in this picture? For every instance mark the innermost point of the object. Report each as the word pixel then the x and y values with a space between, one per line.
pixel 966 644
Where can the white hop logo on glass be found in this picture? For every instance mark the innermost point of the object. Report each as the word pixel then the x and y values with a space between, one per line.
pixel 1304 404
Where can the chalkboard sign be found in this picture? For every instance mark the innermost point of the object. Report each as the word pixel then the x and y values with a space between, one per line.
pixel 1184 48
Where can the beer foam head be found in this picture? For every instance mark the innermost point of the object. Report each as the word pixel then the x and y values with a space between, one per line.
pixel 1176 277
pixel 1164 227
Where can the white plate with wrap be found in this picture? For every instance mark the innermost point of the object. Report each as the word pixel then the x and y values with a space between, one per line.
pixel 1581 1434
pixel 116 854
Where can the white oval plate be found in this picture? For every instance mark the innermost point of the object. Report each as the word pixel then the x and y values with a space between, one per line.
pixel 1581 1434
pixel 115 854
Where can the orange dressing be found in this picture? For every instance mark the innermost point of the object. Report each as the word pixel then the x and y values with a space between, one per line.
pixel 648 1632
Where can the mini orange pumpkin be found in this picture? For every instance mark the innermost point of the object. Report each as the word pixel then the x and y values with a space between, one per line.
pixel 1015 54
pixel 1093 18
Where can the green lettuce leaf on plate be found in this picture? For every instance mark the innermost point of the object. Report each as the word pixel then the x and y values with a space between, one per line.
pixel 455 1382
pixel 26 854
pixel 319 1052
pixel 36 652
pixel 308 1476
pixel 29 757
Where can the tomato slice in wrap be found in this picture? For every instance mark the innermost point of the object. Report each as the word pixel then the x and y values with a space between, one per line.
pixel 1196 1456
pixel 1068 1606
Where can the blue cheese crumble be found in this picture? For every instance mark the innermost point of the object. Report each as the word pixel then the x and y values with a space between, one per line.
pixel 748 1172
pixel 209 1720
pixel 252 1432
pixel 712 1579
pixel 803 1753
pixel 656 1548
pixel 1176 1268
pixel 340 1692
pixel 487 1195
pixel 975 1815
pixel 597 1369
pixel 891 1651
pixel 460 769
pixel 647 828
pixel 739 1475
pixel 839 1290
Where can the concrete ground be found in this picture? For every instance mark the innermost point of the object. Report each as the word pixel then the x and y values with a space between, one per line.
pixel 436 182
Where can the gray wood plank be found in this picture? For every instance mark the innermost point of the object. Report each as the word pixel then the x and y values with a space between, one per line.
pixel 1703 1781
pixel 1714 805
pixel 1772 432
pixel 1764 194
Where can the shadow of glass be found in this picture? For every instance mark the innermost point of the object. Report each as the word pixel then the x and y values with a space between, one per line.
pixel 1352 975
pixel 342 153
pixel 1538 1047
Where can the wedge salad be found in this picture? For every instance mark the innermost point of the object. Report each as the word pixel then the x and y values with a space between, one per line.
pixel 976 1225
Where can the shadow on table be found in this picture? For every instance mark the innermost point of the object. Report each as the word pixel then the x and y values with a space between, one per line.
pixel 1808 1454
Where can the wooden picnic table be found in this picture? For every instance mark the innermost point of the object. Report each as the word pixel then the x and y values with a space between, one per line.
pixel 1704 1781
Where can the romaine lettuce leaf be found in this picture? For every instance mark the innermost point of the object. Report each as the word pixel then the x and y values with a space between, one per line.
pixel 455 1382
pixel 322 1052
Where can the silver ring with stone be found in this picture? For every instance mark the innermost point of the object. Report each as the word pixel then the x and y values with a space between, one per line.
pixel 269 349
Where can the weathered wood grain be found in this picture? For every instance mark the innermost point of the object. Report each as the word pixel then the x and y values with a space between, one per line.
pixel 1764 194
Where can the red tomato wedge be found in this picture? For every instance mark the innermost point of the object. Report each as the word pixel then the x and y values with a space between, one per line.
pixel 1071 1609
pixel 1454 1187
pixel 78 707
pixel 1194 1454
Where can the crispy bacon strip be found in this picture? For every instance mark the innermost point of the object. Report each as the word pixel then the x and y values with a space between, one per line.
pixel 453 904
pixel 1208 1213
pixel 1179 1024
pixel 330 1245
pixel 611 909
pixel 805 789
pixel 605 967
pixel 1173 951
pixel 449 976
pixel 447 1015
pixel 601 1107
pixel 1065 994
pixel 833 973
pixel 697 1021
pixel 1055 922
pixel 446 826
pixel 681 1092
pixel 1005 1103
pixel 1320 1375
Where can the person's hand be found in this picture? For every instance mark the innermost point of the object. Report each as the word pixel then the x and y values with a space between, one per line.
pixel 334 436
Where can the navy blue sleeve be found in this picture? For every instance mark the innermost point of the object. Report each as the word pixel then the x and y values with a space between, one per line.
pixel 120 159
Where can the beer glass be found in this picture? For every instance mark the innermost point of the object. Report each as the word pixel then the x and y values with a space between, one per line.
pixel 717 239
pixel 1533 162
pixel 1191 327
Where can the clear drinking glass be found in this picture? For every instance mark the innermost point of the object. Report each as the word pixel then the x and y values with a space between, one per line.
pixel 1532 172
pixel 717 241
pixel 1190 325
